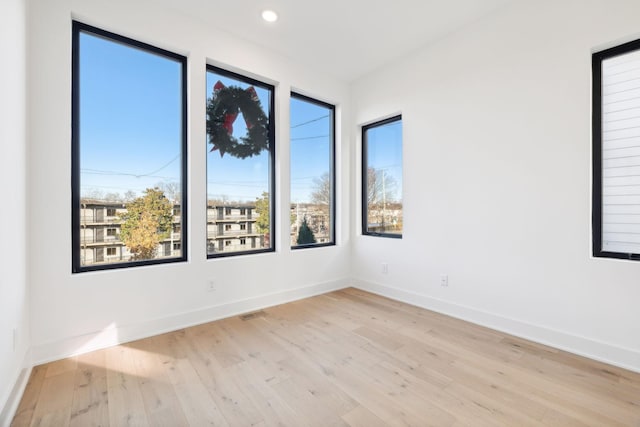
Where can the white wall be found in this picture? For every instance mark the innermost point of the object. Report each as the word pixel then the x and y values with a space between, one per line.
pixel 73 313
pixel 497 179
pixel 14 306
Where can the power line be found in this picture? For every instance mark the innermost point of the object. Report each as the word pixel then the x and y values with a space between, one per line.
pixel 90 171
pixel 160 168
pixel 309 137
pixel 309 121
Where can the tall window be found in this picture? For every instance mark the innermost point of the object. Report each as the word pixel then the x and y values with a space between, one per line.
pixel 382 178
pixel 240 157
pixel 312 172
pixel 128 152
pixel 616 152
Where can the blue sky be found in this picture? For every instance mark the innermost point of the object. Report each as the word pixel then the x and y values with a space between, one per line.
pixel 130 131
pixel 310 136
pixel 230 178
pixel 246 179
pixel 130 117
pixel 384 150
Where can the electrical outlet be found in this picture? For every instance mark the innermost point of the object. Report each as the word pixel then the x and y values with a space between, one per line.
pixel 385 268
pixel 211 285
pixel 444 280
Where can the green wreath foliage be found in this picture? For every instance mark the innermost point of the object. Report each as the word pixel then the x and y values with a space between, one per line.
pixel 222 108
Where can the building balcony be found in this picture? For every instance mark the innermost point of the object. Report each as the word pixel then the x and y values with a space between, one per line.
pixel 103 221
pixel 94 243
pixel 231 234
pixel 231 218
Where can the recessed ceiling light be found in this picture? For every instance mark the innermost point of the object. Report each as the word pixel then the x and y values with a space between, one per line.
pixel 269 16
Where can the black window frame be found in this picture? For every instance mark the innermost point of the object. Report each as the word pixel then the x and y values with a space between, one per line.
pixel 76 29
pixel 272 161
pixel 332 170
pixel 597 59
pixel 365 166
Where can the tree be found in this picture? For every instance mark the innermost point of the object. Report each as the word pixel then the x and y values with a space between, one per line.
pixel 264 214
pixel 171 190
pixel 321 194
pixel 129 196
pixel 381 196
pixel 305 234
pixel 113 197
pixel 93 194
pixel 146 223
pixel 381 187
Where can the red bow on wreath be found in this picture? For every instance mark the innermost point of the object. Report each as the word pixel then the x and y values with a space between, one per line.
pixel 230 118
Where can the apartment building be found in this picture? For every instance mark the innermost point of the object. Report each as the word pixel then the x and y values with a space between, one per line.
pixel 100 243
pixel 230 228
pixel 233 228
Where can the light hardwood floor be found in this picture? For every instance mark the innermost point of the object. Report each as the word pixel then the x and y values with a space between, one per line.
pixel 347 358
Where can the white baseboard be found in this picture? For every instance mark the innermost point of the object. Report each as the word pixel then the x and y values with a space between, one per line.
pixel 119 334
pixel 600 351
pixel 8 410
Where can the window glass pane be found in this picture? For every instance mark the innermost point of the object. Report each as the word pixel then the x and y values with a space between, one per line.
pixel 128 152
pixel 382 178
pixel 618 154
pixel 312 185
pixel 239 164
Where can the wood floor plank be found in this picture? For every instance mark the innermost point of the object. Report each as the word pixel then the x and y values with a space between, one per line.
pixel 347 358
pixel 362 417
pixel 160 400
pixel 231 399
pixel 27 406
pixel 54 403
pixel 194 397
pixel 90 406
pixel 126 405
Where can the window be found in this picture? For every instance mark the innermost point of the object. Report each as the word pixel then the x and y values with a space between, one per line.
pixel 243 241
pixel 227 227
pixel 243 226
pixel 240 158
pixel 111 231
pixel 382 178
pixel 616 152
pixel 111 251
pixel 312 172
pixel 128 148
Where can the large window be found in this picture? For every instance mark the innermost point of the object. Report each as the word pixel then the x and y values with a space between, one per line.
pixel 240 157
pixel 382 178
pixel 312 172
pixel 128 152
pixel 616 152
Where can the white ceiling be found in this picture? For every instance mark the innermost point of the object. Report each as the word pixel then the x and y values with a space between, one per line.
pixel 345 38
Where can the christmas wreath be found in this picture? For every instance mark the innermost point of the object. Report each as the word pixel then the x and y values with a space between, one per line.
pixel 223 109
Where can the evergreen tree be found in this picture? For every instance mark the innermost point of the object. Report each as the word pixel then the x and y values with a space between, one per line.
pixel 146 223
pixel 305 234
